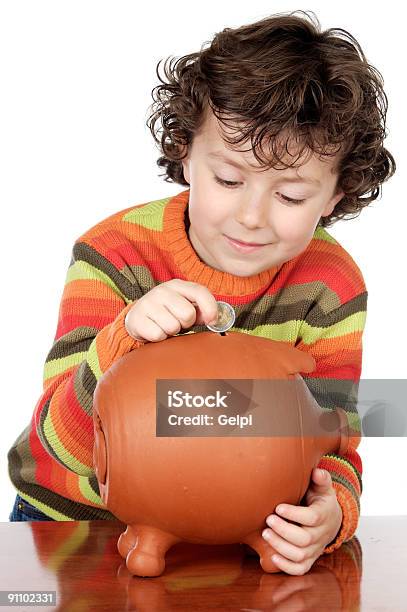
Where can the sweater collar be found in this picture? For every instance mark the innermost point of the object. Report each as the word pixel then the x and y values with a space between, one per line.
pixel 193 268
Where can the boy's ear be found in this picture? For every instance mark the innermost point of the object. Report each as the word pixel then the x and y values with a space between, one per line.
pixel 185 165
pixel 332 203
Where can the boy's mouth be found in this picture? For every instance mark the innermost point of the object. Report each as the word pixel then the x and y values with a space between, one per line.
pixel 244 246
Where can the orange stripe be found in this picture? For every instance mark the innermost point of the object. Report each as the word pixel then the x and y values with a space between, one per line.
pixel 53 380
pixel 72 487
pixel 84 287
pixel 333 465
pixel 113 337
pixel 347 342
pixel 64 433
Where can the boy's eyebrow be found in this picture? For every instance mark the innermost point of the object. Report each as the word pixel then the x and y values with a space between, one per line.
pixel 232 162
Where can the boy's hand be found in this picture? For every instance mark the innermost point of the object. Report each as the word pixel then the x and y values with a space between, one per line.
pixel 168 307
pixel 298 546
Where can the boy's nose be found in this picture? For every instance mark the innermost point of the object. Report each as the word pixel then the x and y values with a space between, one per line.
pixel 253 212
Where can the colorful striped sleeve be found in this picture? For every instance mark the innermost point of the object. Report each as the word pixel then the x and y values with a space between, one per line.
pixel 335 341
pixel 90 336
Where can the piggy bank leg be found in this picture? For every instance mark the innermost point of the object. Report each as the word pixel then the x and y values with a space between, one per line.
pixel 264 550
pixel 126 541
pixel 144 549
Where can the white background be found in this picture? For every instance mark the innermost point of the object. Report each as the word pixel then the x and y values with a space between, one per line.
pixel 76 79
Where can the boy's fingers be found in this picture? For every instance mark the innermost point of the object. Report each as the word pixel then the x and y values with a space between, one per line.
pixel 199 295
pixel 303 515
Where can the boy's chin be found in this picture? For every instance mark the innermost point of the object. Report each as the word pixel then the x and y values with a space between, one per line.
pixel 242 271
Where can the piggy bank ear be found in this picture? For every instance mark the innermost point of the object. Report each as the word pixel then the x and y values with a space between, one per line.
pixel 302 362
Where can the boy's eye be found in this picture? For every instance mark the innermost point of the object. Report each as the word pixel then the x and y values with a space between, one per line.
pixel 291 200
pixel 232 185
pixel 226 183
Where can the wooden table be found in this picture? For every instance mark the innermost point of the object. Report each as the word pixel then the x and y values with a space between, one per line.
pixel 79 560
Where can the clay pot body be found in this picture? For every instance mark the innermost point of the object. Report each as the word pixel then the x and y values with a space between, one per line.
pixel 206 490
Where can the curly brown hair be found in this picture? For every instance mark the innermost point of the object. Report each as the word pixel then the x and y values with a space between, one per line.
pixel 281 77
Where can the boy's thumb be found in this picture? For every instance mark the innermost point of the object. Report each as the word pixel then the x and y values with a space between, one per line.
pixel 322 476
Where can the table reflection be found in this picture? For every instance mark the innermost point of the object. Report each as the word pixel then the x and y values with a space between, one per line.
pixel 80 560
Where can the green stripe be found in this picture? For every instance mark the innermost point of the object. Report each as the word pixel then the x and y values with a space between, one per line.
pixel 58 516
pixel 68 547
pixel 354 421
pixel 88 492
pixel 345 463
pixel 82 270
pixel 321 234
pixel 93 360
pixel 58 366
pixel 354 322
pixel 285 332
pixel 149 215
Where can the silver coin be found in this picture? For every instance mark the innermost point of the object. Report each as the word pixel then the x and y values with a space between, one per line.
pixel 226 318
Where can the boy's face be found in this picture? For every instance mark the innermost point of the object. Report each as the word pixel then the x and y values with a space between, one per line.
pixel 253 211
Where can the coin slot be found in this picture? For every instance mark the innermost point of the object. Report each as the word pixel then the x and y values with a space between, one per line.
pixel 223 333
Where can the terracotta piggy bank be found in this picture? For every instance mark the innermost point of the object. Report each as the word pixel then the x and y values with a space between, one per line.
pixel 213 483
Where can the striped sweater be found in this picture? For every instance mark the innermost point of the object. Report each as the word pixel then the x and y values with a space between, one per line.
pixel 315 302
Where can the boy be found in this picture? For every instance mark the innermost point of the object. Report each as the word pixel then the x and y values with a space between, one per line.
pixel 246 232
